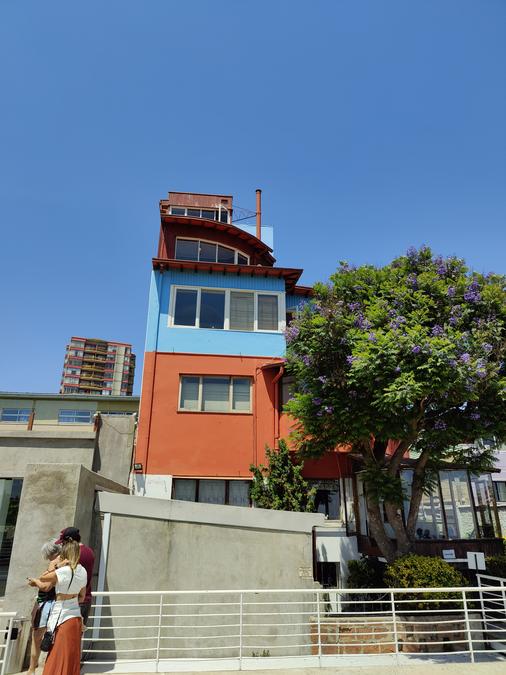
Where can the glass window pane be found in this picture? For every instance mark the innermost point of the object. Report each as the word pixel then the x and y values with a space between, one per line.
pixel 10 493
pixel 241 394
pixel 185 489
pixel 238 492
pixel 15 414
pixel 500 487
pixel 212 491
pixel 483 500
pixel 210 215
pixel 224 215
pixel 186 307
pixel 177 211
pixel 193 212
pixel 242 311
pixel 215 394
pixel 457 504
pixel 268 312
pixel 189 393
pixel 187 249
pixel 74 416
pixel 242 259
pixel 350 506
pixel 429 524
pixel 226 255
pixel 207 252
pixel 212 309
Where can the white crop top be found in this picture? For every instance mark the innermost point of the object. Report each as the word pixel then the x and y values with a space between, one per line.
pixel 64 583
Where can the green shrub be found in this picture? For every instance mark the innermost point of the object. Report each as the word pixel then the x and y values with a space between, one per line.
pixel 365 573
pixel 420 571
pixel 496 566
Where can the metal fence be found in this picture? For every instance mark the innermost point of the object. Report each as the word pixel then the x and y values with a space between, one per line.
pixel 174 631
pixel 493 609
pixel 7 620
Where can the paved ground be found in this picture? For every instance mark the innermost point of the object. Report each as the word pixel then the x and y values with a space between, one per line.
pixel 497 668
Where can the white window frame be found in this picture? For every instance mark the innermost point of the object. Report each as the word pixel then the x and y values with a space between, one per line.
pixel 226 322
pixel 216 209
pixel 217 243
pixel 230 410
pixel 76 414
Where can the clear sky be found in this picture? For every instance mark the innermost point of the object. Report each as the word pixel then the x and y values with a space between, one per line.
pixel 370 125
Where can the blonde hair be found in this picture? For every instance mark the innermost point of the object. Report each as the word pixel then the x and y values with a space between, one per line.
pixel 70 551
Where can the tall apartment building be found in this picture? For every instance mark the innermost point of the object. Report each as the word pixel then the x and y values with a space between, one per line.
pixel 95 366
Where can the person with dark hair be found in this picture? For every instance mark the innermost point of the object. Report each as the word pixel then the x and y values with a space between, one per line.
pixel 87 560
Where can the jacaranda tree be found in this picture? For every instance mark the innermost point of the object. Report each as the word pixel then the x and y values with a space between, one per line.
pixel 407 358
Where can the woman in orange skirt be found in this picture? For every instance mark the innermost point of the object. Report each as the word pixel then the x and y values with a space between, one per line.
pixel 69 580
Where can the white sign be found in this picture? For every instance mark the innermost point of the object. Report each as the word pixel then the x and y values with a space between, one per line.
pixel 476 560
pixel 449 554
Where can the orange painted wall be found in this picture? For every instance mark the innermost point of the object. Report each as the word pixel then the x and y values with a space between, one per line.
pixel 198 443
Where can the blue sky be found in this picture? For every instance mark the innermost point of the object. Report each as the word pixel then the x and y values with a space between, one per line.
pixel 370 126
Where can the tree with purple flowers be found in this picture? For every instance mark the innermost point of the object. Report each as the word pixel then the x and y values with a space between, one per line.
pixel 403 360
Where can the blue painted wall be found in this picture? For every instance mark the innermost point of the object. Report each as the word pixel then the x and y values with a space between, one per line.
pixel 162 338
pixel 295 301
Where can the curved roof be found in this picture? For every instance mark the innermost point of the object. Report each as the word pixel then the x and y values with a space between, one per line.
pixel 261 249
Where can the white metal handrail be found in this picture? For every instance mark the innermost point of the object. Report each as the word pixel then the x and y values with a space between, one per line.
pixel 5 639
pixel 164 631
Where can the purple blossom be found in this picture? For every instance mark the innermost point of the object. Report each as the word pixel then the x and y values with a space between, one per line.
pixel 323 379
pixel 350 360
pixel 440 425
pixel 291 332
pixel 412 253
pixel 353 306
pixel 317 401
pixel 319 413
pixel 472 293
pixel 487 347
pixel 397 369
pixel 465 357
pixel 474 416
pixel 416 349
pixel 453 321
pixel 372 337
pixel 329 409
pixel 440 265
pixel 412 280
pixel 306 360
pixel 451 291
pixel 452 363
pixel 437 330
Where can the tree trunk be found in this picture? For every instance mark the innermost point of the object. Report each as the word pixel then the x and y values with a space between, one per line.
pixel 416 493
pixel 402 538
pixel 377 526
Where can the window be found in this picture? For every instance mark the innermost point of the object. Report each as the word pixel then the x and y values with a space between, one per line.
pixel 327 498
pixel 500 490
pixel 220 214
pixel 208 251
pixel 242 311
pixel 15 414
pixel 215 394
pixel 10 491
pixel 74 416
pixel 267 312
pixel 71 380
pixel 212 491
pixel 226 309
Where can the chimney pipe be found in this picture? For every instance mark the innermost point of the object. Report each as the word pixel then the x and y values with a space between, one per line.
pixel 259 214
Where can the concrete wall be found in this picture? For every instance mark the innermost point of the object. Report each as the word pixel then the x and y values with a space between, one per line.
pixel 54 496
pixel 109 452
pixel 20 448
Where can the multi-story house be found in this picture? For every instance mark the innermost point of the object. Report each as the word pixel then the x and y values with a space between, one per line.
pixel 214 385
pixel 93 366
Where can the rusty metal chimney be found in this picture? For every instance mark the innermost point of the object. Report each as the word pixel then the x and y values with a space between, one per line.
pixel 259 214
